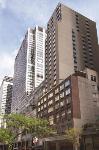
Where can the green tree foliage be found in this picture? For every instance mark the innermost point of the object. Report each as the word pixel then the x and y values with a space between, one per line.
pixel 73 135
pixel 18 124
pixel 5 136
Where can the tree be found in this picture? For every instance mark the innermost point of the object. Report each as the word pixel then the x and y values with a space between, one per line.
pixel 18 124
pixel 73 135
pixel 6 137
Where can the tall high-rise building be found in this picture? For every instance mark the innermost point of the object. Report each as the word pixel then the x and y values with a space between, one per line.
pixel 71 45
pixel 29 68
pixel 69 96
pixel 5 97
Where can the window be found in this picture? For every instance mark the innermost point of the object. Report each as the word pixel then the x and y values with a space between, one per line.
pixel 54 72
pixel 54 58
pixel 57 116
pixel 41 114
pixel 68 91
pixel 75 68
pixel 38 109
pixel 55 77
pixel 75 61
pixel 90 53
pixel 67 83
pixel 69 111
pixel 63 113
pixel 69 118
pixel 54 67
pixel 62 103
pixel 68 101
pixel 57 90
pixel 93 78
pixel 57 106
pixel 38 103
pixel 55 82
pixel 51 120
pixel 61 87
pixel 50 102
pixel 50 109
pixel 44 90
pixel 57 98
pixel 62 95
pixel 42 101
pixel 95 95
pixel 41 107
pixel 74 54
pixel 50 95
pixel 94 87
pixel 45 105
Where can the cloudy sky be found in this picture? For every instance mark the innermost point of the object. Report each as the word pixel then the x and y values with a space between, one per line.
pixel 17 15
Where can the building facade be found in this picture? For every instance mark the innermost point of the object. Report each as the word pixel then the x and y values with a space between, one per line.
pixel 71 56
pixel 5 96
pixel 29 68
pixel 72 102
pixel 71 45
pixel 30 101
pixel 69 95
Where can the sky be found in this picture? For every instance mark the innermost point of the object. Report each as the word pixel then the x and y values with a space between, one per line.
pixel 17 15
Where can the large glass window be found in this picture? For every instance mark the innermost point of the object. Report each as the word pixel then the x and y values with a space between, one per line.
pixel 67 83
pixel 67 91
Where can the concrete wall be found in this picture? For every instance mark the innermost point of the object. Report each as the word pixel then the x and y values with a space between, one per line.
pixel 88 96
